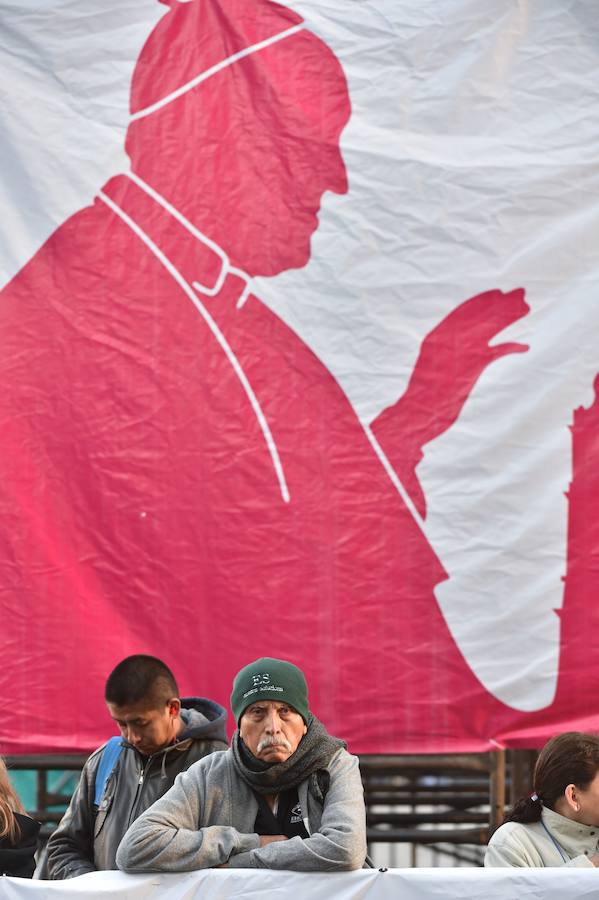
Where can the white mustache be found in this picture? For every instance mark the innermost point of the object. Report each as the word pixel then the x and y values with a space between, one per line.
pixel 273 742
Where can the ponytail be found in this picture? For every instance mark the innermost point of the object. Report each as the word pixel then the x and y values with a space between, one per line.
pixel 525 810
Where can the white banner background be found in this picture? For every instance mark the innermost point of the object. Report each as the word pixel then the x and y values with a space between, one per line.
pixel 409 884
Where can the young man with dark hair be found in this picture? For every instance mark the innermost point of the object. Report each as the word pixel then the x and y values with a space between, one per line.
pixel 161 735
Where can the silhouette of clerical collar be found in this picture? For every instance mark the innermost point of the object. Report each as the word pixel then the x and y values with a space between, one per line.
pixel 170 236
pixel 188 255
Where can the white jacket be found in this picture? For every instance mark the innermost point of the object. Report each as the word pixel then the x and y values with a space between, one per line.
pixel 554 841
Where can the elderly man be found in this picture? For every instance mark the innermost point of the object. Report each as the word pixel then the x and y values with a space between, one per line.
pixel 286 795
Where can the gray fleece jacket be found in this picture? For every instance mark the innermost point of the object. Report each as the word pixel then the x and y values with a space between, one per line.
pixel 207 819
pixel 87 836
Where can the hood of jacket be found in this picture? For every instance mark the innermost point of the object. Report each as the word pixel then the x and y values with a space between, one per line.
pixel 204 720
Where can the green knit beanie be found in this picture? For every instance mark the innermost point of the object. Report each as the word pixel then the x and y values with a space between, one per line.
pixel 270 679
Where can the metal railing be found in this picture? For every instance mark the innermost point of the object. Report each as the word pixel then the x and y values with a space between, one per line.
pixel 450 802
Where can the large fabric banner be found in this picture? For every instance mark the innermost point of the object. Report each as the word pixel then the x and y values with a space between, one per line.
pixel 409 884
pixel 299 332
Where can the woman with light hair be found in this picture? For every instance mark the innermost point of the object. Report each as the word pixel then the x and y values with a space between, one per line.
pixel 18 831
pixel 558 823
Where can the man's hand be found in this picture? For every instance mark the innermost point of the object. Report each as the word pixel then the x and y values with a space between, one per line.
pixel 269 838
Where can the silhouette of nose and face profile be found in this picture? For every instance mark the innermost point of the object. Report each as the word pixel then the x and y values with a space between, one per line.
pixel 193 458
pixel 237 114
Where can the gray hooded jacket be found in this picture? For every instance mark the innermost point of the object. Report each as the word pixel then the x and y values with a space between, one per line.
pixel 207 819
pixel 87 836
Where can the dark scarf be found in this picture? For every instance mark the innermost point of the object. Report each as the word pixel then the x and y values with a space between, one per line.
pixel 313 753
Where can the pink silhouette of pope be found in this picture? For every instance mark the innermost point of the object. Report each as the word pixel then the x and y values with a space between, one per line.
pixel 180 473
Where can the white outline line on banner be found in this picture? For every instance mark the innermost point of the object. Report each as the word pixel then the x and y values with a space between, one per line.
pixel 174 272
pixel 248 285
pixel 210 292
pixel 218 67
pixel 226 264
pixel 395 480
pixel 227 268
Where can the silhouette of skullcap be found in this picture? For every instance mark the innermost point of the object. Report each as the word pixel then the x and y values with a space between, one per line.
pixel 193 37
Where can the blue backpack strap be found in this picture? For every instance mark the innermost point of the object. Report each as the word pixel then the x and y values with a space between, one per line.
pixel 110 755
